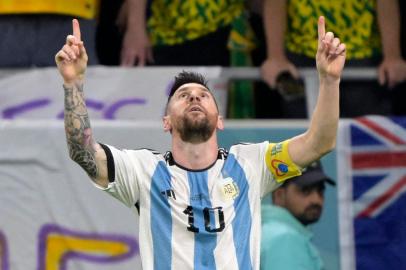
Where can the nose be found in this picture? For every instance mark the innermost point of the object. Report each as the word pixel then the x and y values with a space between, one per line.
pixel 317 197
pixel 194 97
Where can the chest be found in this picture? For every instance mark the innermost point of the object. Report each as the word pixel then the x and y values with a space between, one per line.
pixel 201 201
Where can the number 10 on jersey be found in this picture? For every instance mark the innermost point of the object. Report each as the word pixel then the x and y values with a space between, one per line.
pixel 208 214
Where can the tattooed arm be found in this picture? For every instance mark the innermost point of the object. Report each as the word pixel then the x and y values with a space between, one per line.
pixel 83 149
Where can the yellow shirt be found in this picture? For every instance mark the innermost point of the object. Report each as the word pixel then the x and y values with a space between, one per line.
pixel 81 8
pixel 353 21
pixel 175 21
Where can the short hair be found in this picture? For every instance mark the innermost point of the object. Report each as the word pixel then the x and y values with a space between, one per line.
pixel 187 77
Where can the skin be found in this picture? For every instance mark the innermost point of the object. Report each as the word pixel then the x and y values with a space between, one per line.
pixel 391 71
pixel 304 203
pixel 274 16
pixel 72 61
pixel 136 48
pixel 185 112
pixel 196 154
pixel 194 103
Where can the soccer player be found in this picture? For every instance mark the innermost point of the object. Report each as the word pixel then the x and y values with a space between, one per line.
pixel 199 204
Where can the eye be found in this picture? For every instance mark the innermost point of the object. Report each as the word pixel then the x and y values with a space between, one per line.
pixel 183 95
pixel 306 191
pixel 321 190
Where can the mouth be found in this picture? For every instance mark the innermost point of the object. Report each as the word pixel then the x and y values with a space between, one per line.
pixel 195 109
pixel 314 210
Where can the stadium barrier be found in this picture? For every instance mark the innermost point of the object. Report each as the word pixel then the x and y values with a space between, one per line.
pixel 128 93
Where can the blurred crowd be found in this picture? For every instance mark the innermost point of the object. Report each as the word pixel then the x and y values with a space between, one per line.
pixel 278 36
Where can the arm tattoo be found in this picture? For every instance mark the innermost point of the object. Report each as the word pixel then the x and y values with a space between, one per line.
pixel 78 130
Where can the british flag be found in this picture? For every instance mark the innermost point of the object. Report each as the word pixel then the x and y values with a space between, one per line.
pixel 372 193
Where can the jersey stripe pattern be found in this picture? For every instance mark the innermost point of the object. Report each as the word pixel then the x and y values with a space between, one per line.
pixel 198 219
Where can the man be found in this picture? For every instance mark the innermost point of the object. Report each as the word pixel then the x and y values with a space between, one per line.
pixel 199 205
pixel 297 203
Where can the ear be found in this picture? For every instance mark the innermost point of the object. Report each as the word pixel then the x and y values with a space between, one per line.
pixel 278 196
pixel 220 122
pixel 167 123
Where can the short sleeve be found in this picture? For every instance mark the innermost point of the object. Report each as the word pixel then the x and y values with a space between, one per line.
pixel 270 163
pixel 122 171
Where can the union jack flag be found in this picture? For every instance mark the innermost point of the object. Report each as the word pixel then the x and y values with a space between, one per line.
pixel 372 193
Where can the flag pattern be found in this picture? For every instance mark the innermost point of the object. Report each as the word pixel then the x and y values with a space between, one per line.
pixel 372 168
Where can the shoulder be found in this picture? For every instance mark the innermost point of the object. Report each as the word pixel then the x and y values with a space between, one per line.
pixel 279 225
pixel 141 153
pixel 280 231
pixel 246 147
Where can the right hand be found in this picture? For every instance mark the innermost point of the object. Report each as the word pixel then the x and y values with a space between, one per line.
pixel 271 68
pixel 331 53
pixel 71 60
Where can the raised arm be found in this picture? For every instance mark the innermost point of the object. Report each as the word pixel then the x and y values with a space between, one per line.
pixel 320 138
pixel 72 61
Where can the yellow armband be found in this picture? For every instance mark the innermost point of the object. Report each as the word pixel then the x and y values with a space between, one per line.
pixel 279 163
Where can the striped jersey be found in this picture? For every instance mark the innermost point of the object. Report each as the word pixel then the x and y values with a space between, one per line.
pixel 199 219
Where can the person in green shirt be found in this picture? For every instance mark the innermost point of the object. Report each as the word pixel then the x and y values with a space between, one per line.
pixel 371 31
pixel 286 240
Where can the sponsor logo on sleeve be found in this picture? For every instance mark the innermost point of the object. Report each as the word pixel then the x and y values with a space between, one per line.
pixel 277 148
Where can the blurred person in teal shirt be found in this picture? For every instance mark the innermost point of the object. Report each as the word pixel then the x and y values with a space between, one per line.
pixel 286 240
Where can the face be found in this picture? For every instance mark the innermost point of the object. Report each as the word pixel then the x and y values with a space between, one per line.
pixel 192 113
pixel 305 203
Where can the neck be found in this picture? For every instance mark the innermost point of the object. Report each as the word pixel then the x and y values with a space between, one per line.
pixel 195 156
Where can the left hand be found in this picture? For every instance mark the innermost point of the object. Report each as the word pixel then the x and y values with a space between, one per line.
pixel 330 57
pixel 392 72
pixel 136 48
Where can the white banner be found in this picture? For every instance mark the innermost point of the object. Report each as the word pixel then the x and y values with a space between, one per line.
pixel 51 215
pixel 111 92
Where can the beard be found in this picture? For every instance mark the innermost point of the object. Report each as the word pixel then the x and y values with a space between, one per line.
pixel 194 130
pixel 310 215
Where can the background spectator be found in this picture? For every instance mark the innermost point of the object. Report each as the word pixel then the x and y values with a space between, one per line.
pixel 111 26
pixel 32 30
pixel 371 31
pixel 184 33
pixel 286 240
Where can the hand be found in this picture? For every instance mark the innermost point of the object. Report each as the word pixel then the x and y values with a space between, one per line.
pixel 72 58
pixel 271 68
pixel 330 57
pixel 392 72
pixel 136 49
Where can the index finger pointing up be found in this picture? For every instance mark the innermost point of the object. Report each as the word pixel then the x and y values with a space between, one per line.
pixel 321 28
pixel 76 29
